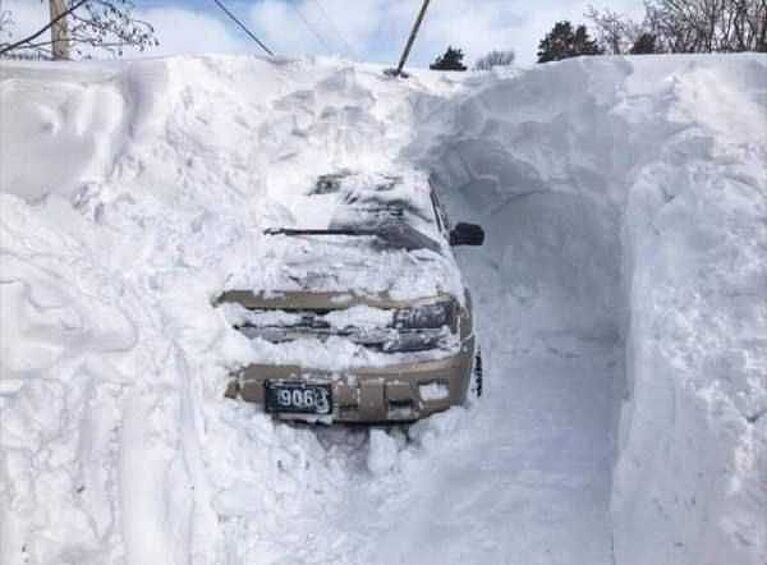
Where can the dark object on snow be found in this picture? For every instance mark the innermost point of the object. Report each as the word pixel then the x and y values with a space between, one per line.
pixel 467 234
pixel 395 73
pixel 477 373
pixel 397 235
pixel 329 183
pixel 562 43
pixel 451 60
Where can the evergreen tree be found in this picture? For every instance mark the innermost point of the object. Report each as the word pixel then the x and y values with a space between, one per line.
pixel 644 45
pixel 562 42
pixel 451 60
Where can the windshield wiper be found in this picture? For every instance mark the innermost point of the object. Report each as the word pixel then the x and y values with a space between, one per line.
pixel 399 235
pixel 296 231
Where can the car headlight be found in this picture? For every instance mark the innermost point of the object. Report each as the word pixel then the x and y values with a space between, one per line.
pixel 426 316
pixel 416 340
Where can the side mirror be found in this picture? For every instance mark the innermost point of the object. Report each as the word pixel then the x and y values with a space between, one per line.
pixel 467 234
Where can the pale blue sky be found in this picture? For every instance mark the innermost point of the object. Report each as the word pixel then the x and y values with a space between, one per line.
pixel 370 30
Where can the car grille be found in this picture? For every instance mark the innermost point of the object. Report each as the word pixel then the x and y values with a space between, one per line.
pixel 387 335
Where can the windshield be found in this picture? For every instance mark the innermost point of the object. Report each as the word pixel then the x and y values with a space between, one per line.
pixel 395 235
pixel 396 212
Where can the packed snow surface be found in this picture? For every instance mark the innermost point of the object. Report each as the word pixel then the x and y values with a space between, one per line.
pixel 621 301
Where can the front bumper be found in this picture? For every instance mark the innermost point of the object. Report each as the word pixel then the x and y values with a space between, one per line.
pixel 394 393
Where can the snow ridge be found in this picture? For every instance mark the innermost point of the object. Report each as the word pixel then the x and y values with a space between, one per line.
pixel 665 157
pixel 621 301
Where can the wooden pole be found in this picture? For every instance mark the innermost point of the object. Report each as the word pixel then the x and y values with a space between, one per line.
pixel 59 30
pixel 411 39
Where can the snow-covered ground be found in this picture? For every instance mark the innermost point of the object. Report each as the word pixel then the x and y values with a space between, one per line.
pixel 621 297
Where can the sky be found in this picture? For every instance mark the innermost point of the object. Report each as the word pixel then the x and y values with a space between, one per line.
pixel 362 30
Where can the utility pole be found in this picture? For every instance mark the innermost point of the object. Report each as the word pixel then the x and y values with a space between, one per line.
pixel 59 30
pixel 410 40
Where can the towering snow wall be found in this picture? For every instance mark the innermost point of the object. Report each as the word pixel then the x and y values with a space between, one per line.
pixel 637 190
pixel 130 194
pixel 632 192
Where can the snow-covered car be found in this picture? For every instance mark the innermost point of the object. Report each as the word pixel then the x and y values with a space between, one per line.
pixel 366 318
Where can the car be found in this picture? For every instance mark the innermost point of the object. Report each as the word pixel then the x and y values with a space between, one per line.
pixel 365 319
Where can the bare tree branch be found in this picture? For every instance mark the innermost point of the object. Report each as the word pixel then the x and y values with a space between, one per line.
pixel 688 26
pixel 106 25
pixel 42 30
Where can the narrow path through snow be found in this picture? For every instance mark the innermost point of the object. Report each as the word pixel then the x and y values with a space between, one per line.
pixel 523 475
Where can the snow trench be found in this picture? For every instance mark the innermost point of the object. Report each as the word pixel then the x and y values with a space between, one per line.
pixel 632 216
pixel 621 302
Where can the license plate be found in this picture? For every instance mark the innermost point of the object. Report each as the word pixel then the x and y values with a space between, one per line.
pixel 302 398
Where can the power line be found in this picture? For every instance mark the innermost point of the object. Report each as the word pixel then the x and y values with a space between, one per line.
pixel 309 26
pixel 244 27
pixel 349 49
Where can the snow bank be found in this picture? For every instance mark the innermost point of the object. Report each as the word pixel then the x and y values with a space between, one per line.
pixel 694 441
pixel 635 192
pixel 625 203
pixel 131 195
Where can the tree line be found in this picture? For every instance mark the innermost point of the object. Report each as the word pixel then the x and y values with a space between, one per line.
pixel 668 26
pixel 685 26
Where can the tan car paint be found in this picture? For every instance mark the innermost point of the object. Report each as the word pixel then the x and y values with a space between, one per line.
pixel 393 393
